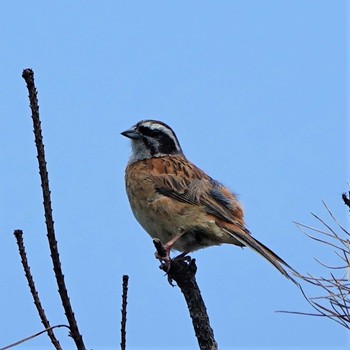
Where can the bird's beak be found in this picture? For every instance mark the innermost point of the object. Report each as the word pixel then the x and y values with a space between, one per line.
pixel 131 134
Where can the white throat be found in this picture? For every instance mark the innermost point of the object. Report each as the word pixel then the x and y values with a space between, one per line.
pixel 138 152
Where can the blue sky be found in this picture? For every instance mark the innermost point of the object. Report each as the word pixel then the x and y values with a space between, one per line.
pixel 256 92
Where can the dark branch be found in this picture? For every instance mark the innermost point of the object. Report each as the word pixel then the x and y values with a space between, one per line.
pixel 124 305
pixel 33 336
pixel 19 237
pixel 183 270
pixel 346 199
pixel 28 76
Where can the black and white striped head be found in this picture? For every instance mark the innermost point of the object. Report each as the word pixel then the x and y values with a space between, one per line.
pixel 152 138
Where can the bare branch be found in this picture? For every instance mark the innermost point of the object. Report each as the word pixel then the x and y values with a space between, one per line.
pixel 33 336
pixel 334 301
pixel 182 270
pixel 19 237
pixel 124 305
pixel 302 227
pixel 28 76
pixel 335 219
pixel 346 199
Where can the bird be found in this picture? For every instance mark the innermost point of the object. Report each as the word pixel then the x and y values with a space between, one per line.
pixel 180 205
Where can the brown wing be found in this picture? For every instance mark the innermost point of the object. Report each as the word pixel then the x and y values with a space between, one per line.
pixel 179 179
pixel 182 180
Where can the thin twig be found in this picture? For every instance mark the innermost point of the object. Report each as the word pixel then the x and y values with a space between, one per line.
pixel 183 270
pixel 326 225
pixel 331 267
pixel 19 237
pixel 302 228
pixel 28 76
pixel 33 336
pixel 124 305
pixel 334 301
pixel 335 219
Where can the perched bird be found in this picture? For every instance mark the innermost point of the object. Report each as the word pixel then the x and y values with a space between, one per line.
pixel 178 203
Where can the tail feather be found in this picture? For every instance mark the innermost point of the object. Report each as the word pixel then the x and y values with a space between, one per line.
pixel 249 241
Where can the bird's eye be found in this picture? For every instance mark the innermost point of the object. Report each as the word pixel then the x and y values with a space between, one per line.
pixel 149 132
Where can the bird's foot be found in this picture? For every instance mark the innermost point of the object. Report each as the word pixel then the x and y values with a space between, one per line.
pixel 162 254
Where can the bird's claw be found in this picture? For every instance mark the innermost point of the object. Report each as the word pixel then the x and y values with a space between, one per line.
pixel 162 254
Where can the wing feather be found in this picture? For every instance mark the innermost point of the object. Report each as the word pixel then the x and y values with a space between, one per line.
pixel 198 191
pixel 186 183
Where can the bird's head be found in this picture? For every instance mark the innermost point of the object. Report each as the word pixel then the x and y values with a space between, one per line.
pixel 152 138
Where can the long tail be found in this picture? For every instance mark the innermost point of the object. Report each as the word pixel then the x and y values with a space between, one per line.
pixel 249 241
